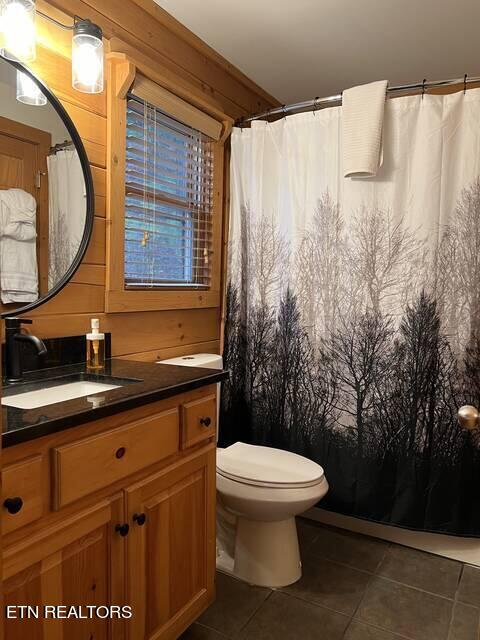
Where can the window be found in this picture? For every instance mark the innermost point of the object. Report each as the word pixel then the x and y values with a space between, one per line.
pixel 164 194
pixel 168 201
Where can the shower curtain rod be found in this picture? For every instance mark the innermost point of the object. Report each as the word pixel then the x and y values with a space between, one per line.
pixel 61 146
pixel 317 103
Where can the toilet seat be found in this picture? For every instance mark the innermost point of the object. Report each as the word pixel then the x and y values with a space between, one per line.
pixel 267 467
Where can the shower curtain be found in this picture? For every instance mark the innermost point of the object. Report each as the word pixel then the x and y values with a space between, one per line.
pixel 353 308
pixel 67 211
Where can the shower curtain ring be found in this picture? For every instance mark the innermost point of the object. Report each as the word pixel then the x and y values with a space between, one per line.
pixel 423 87
pixel 315 104
pixel 284 109
pixel 465 84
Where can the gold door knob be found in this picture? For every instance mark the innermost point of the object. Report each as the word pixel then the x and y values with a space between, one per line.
pixel 468 417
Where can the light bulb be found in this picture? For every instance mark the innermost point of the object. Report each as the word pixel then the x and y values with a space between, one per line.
pixel 17 22
pixel 29 92
pixel 87 57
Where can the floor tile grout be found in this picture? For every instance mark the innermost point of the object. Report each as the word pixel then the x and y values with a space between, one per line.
pixel 316 604
pixel 342 564
pixel 362 598
pixel 350 590
pixel 377 575
pixel 205 626
pixel 455 601
pixel 411 586
pixel 374 626
pixel 385 553
pixel 254 613
pixel 347 628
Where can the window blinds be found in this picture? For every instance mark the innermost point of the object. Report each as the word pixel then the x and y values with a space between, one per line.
pixel 168 200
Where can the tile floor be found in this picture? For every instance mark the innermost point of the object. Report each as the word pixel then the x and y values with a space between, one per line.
pixel 353 588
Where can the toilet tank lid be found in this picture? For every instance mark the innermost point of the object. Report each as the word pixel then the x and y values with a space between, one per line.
pixel 267 466
pixel 207 360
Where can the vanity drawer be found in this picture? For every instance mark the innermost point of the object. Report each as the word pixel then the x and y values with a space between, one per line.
pixel 23 497
pixel 199 420
pixel 90 464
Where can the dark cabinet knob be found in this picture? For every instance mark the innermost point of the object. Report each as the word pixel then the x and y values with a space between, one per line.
pixel 122 529
pixel 140 518
pixel 120 452
pixel 13 505
pixel 206 421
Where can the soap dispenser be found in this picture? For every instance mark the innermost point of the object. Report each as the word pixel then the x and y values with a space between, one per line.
pixel 95 347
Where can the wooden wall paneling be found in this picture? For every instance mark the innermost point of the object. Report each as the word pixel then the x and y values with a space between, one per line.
pixel 95 153
pixel 135 332
pixel 90 274
pixel 171 80
pixel 179 51
pixel 74 298
pixel 212 346
pixel 132 24
pixel 91 126
pixel 49 35
pixel 100 205
pixel 55 71
pixel 96 249
pixel 99 176
pixel 186 65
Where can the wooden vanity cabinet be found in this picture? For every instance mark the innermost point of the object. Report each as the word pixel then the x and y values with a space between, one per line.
pixel 145 539
pixel 171 547
pixel 77 562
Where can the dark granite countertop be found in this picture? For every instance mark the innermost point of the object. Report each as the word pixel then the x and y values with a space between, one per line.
pixel 142 383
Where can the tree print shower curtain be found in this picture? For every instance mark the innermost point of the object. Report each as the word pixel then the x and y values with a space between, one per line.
pixel 353 308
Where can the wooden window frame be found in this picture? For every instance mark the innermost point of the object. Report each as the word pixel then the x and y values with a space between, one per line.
pixel 121 72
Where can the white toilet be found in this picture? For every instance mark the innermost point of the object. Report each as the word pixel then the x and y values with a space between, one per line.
pixel 260 490
pixel 265 489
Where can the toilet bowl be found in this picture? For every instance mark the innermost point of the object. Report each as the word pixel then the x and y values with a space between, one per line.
pixel 265 489
pixel 260 490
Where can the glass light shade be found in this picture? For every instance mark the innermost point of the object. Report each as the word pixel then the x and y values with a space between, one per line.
pixel 29 92
pixel 17 23
pixel 87 61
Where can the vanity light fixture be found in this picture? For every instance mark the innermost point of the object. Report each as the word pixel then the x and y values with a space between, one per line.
pixel 17 42
pixel 87 57
pixel 17 24
pixel 28 91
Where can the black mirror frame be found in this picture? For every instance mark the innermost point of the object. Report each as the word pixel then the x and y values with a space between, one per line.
pixel 90 196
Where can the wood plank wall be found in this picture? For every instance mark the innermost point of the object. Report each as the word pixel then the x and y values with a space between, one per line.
pixel 183 59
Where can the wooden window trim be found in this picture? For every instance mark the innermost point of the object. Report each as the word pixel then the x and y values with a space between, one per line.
pixel 121 72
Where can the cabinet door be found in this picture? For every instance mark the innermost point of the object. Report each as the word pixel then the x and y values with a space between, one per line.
pixel 80 562
pixel 171 547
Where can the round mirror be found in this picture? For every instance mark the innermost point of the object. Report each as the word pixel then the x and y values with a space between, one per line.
pixel 46 192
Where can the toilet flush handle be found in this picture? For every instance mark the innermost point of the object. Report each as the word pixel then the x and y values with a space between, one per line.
pixel 468 417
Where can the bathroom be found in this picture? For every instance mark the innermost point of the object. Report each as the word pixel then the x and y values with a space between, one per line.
pixel 239 290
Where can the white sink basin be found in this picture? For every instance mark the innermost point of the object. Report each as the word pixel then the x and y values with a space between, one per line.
pixel 59 393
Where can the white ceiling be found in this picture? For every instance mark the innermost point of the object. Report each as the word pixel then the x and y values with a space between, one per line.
pixel 298 49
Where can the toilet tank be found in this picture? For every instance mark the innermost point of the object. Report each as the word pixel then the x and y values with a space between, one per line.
pixel 206 360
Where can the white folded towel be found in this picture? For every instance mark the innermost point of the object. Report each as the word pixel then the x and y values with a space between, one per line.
pixel 18 246
pixel 362 124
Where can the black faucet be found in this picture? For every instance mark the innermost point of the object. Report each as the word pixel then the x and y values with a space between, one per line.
pixel 13 336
